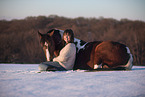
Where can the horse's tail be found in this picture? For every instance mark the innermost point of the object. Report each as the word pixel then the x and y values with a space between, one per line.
pixel 129 64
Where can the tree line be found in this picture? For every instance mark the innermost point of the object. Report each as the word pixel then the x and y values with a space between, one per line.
pixel 19 41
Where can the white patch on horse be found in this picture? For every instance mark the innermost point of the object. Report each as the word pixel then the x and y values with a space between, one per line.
pixel 47 55
pixel 61 33
pixel 129 64
pixel 97 66
pixel 46 44
pixel 78 44
pixel 47 52
pixel 130 61
pixel 128 51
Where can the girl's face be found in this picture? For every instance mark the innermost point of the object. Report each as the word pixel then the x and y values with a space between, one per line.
pixel 66 38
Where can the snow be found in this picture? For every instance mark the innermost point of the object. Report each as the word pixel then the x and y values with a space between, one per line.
pixel 24 80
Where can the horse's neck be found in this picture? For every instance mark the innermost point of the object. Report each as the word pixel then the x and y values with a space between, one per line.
pixel 58 46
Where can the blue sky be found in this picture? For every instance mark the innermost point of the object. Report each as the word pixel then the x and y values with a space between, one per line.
pixel 117 9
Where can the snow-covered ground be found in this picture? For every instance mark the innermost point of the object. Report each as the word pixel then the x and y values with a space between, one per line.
pixel 17 80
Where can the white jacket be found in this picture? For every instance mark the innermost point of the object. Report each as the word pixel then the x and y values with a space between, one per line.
pixel 67 56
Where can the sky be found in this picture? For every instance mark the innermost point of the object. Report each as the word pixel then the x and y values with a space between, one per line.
pixel 117 9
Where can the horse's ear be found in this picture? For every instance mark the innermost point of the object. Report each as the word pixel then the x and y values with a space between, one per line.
pixel 50 34
pixel 40 35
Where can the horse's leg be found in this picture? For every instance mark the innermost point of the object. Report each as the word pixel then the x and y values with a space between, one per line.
pixel 97 58
pixel 97 61
pixel 104 57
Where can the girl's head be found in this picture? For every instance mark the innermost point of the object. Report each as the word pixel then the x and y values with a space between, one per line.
pixel 68 36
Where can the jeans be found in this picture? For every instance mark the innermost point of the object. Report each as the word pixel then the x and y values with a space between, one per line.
pixel 51 66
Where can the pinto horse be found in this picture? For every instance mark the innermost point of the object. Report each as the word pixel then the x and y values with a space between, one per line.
pixel 90 55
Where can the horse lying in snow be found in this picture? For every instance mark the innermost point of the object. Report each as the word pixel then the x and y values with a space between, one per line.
pixel 90 55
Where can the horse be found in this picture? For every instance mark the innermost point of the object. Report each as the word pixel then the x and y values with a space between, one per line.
pixel 90 55
pixel 51 43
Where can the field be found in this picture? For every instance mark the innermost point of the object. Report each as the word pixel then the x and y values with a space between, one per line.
pixel 24 80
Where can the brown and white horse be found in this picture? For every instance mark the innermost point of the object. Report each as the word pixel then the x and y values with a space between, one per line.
pixel 90 55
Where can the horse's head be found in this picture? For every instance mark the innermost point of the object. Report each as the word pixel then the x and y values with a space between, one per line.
pixel 52 43
pixel 47 44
